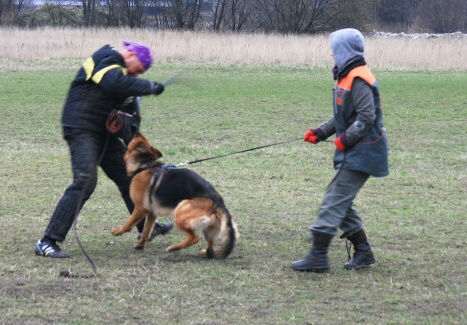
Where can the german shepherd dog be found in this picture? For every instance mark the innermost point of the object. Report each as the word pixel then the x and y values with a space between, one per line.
pixel 158 189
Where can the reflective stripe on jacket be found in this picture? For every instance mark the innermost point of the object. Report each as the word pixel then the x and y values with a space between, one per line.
pixel 101 84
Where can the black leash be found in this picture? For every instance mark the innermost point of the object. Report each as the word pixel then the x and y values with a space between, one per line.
pixel 234 153
pixel 94 268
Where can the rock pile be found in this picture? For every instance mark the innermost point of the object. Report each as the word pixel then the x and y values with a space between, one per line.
pixel 456 35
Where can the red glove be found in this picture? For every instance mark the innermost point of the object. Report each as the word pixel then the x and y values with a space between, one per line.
pixel 340 142
pixel 313 136
pixel 310 136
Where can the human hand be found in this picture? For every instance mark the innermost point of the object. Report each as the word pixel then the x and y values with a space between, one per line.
pixel 341 143
pixel 158 88
pixel 313 136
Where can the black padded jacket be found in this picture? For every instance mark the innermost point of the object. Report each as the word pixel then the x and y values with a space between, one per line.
pixel 101 85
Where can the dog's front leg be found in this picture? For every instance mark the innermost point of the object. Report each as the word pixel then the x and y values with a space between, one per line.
pixel 138 214
pixel 147 231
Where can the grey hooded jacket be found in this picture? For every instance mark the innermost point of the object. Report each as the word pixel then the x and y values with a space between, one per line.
pixel 357 109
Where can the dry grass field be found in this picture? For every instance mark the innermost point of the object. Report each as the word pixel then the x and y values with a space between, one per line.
pixel 34 46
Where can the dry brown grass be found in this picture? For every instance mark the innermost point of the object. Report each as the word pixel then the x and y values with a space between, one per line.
pixel 31 49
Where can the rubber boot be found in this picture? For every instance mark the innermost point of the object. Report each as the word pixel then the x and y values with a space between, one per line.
pixel 317 260
pixel 363 255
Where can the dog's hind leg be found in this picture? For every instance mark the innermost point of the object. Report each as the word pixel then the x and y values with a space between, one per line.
pixel 191 239
pixel 212 234
pixel 209 252
pixel 184 216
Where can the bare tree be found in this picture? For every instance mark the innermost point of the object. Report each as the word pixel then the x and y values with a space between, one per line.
pixel 10 10
pixel 159 14
pixel 180 14
pixel 134 12
pixel 398 15
pixel 239 14
pixel 229 15
pixel 354 13
pixel 113 14
pixel 7 8
pixel 294 16
pixel 440 16
pixel 89 8
pixel 219 12
pixel 57 11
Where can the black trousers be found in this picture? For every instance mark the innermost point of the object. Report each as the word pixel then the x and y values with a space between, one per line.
pixel 85 149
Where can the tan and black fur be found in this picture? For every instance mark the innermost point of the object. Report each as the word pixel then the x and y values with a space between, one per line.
pixel 158 190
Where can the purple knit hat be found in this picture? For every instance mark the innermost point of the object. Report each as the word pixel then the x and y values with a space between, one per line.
pixel 143 53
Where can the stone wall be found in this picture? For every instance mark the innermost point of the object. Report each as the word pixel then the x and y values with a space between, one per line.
pixel 456 35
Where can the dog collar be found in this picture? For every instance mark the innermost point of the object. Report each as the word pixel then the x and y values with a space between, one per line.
pixel 149 165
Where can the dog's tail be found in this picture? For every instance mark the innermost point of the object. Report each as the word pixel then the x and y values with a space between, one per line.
pixel 228 232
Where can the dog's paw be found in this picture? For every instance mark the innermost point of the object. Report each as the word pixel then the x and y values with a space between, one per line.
pixel 141 244
pixel 207 253
pixel 117 231
pixel 172 248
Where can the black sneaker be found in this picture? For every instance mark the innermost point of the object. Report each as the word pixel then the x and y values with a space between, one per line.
pixel 49 249
pixel 159 229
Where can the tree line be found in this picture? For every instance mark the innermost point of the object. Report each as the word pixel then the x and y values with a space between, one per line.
pixel 249 16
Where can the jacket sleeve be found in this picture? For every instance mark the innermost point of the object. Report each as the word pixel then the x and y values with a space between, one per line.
pixel 114 82
pixel 328 128
pixel 106 69
pixel 363 101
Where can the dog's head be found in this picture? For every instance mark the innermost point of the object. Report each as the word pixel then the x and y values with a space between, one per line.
pixel 139 152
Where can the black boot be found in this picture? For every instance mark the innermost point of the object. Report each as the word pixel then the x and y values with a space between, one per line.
pixel 363 255
pixel 159 229
pixel 317 260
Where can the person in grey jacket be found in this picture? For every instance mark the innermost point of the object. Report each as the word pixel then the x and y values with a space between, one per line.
pixel 361 152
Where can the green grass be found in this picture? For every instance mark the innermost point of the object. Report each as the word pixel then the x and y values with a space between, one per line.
pixel 415 218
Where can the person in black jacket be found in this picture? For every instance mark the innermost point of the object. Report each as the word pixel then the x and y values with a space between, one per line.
pixel 106 81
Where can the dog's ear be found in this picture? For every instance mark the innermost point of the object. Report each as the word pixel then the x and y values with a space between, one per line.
pixel 156 152
pixel 142 147
pixel 136 133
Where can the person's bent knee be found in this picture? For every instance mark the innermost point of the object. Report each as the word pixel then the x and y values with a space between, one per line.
pixel 85 184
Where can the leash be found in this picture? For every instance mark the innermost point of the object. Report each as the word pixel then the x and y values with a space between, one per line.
pixel 94 268
pixel 235 153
